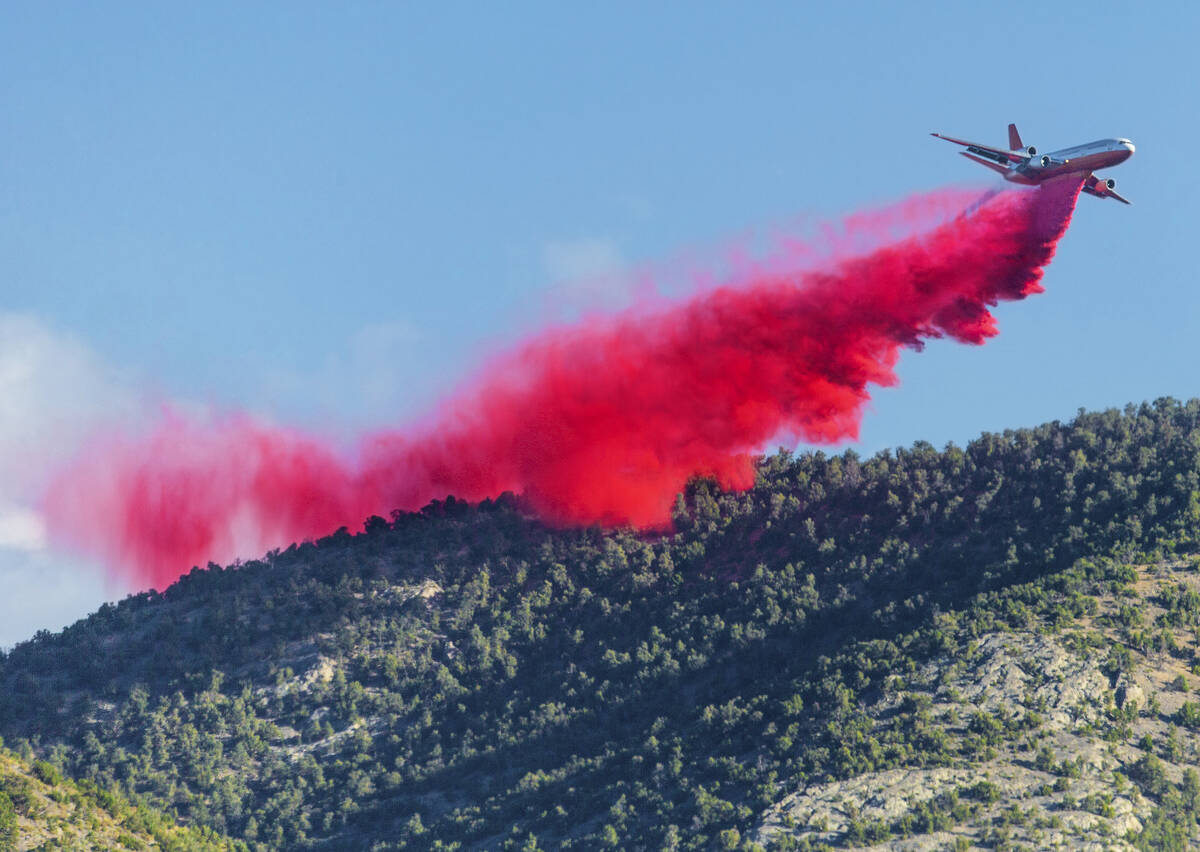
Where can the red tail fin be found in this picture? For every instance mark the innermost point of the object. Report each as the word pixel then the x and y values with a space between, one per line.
pixel 1014 139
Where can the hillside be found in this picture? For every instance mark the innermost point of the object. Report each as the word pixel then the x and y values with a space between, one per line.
pixel 989 646
pixel 41 810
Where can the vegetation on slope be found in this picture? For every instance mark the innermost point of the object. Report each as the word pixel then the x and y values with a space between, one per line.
pixel 465 677
pixel 1083 723
pixel 42 810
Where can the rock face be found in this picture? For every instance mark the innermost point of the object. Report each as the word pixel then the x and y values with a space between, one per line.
pixel 1129 694
pixel 1053 782
pixel 827 809
pixel 1036 672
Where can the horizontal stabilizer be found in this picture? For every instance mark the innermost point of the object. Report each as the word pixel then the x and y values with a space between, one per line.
pixel 996 167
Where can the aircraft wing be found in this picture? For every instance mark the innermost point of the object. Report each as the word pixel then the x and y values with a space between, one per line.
pixel 1094 186
pixel 998 155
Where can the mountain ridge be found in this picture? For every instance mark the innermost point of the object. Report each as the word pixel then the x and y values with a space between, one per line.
pixel 468 677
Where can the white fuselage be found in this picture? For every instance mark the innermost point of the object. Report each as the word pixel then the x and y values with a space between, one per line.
pixel 1100 154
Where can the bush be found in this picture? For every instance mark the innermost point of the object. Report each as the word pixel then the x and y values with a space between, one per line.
pixel 1188 715
pixel 8 824
pixel 47 773
pixel 1150 775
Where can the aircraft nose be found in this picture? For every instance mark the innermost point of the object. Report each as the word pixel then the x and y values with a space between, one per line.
pixel 1129 147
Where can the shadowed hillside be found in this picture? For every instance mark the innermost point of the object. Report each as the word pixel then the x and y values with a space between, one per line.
pixel 985 638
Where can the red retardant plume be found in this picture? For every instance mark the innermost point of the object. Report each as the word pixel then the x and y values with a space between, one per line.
pixel 602 422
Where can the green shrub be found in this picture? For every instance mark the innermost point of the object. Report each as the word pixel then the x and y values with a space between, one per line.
pixel 8 824
pixel 47 773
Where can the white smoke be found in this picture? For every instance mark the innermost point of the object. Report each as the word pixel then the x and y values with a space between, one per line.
pixel 54 391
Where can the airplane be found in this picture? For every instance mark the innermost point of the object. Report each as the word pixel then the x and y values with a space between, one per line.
pixel 1021 164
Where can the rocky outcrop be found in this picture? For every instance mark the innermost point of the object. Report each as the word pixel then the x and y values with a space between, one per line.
pixel 1058 785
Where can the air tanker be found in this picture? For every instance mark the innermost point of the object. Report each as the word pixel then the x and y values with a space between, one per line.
pixel 1021 164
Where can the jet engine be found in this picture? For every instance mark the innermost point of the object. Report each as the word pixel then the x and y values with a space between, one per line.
pixel 1031 151
pixel 1106 184
pixel 1045 161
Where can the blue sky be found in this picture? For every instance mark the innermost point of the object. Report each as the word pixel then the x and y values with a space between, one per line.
pixel 328 213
